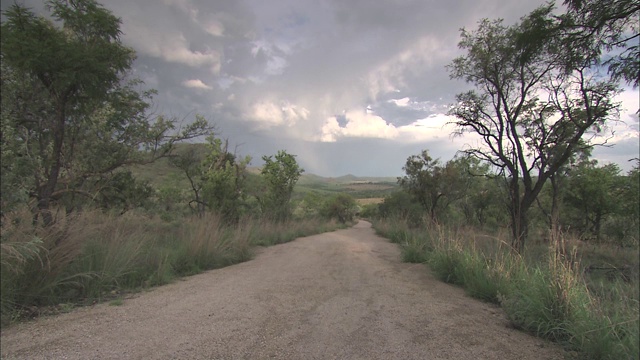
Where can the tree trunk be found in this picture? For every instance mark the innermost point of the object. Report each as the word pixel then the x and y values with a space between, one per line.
pixel 555 211
pixel 432 214
pixel 519 229
pixel 518 213
pixel 597 226
pixel 45 192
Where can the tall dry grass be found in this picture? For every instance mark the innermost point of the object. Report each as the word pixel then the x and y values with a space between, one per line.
pixel 90 256
pixel 545 291
pixel 87 257
pixel 266 233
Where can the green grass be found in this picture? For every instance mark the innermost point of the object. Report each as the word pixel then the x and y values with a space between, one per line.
pixel 264 233
pixel 116 302
pixel 91 256
pixel 545 292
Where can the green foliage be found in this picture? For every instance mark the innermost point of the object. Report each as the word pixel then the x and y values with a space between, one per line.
pixel 401 205
pixel 169 199
pixel 216 177
pixel 224 179
pixel 613 26
pixel 268 232
pixel 548 301
pixel 280 176
pixel 370 211
pixel 92 256
pixel 417 248
pixel 436 186
pixel 116 302
pixel 541 292
pixel 70 117
pixel 426 181
pixel 527 136
pixel 629 209
pixel 593 193
pixel 341 207
pixel 310 205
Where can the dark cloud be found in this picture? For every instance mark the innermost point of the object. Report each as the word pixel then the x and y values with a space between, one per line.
pixel 290 73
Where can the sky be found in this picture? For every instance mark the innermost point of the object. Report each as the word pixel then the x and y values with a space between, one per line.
pixel 348 86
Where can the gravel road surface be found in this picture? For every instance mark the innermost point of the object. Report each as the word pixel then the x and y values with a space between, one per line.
pixel 338 295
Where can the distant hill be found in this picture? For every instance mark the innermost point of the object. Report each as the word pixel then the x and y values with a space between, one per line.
pixel 163 174
pixel 347 178
pixel 310 178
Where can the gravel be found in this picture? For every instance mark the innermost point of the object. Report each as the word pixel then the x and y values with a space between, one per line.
pixel 338 295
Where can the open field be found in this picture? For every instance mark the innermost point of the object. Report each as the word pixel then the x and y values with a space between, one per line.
pixel 369 201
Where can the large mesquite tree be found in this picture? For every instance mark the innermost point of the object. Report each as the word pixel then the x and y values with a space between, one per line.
pixel 613 26
pixel 537 101
pixel 71 115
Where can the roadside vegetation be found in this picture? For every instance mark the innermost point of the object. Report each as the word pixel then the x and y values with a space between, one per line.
pixel 91 256
pixel 525 218
pixel 581 295
pixel 99 196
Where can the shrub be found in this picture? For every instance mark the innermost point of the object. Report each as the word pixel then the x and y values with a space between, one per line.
pixel 341 207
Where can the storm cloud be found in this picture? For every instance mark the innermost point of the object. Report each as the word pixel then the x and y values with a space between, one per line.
pixel 348 86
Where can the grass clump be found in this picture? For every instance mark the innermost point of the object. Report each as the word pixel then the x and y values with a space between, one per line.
pixel 548 291
pixel 266 233
pixel 116 302
pixel 89 256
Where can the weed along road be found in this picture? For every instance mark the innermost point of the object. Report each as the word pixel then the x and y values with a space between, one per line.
pixel 338 295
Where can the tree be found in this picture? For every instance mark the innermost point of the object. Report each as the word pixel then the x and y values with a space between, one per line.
pixel 550 198
pixel 74 115
pixel 310 205
pixel 613 26
pixel 478 189
pixel 190 161
pixel 280 176
pixel 224 178
pixel 537 103
pixel 433 185
pixel 341 206
pixel 216 176
pixel 401 205
pixel 630 211
pixel 594 191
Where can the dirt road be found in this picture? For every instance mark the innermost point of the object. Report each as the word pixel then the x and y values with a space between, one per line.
pixel 339 295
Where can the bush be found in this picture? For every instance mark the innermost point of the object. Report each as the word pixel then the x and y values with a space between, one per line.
pixel 341 207
pixel 544 292
pixel 400 205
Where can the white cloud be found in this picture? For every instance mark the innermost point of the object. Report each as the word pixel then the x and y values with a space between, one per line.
pixel 184 5
pixel 432 127
pixel 176 50
pixel 214 27
pixel 415 59
pixel 404 102
pixel 211 25
pixel 323 57
pixel 196 84
pixel 173 48
pixel 359 124
pixel 269 113
pixel 630 104
pixel 369 125
pixel 628 128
